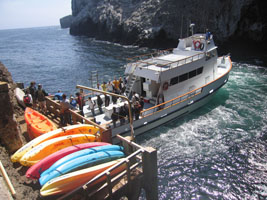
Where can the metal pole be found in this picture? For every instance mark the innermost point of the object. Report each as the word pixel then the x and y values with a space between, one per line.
pixel 119 96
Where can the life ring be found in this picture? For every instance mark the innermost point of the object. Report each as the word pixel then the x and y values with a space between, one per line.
pixel 202 46
pixel 165 86
pixel 197 44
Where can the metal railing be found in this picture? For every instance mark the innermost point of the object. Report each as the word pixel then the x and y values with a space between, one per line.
pixel 170 103
pixel 143 61
pixel 151 55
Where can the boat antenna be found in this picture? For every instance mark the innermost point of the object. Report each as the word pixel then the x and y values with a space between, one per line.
pixel 192 28
pixel 181 34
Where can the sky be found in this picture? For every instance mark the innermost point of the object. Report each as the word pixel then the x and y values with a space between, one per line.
pixel 32 13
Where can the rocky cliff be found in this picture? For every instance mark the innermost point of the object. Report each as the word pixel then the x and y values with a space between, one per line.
pixel 66 21
pixel 10 133
pixel 158 23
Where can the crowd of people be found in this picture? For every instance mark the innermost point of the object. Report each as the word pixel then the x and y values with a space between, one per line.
pixel 137 105
pixel 35 97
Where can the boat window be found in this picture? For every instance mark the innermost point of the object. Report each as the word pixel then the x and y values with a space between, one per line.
pixel 186 76
pixel 183 77
pixel 192 73
pixel 174 80
pixel 199 70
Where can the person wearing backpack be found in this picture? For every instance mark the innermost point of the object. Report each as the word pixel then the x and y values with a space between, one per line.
pixel 40 97
pixel 27 99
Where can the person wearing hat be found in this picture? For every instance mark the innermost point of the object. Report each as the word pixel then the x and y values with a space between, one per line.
pixel 40 97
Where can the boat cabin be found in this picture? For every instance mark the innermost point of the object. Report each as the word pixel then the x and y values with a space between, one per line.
pixel 172 73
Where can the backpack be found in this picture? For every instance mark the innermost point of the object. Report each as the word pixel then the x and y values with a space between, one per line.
pixel 26 99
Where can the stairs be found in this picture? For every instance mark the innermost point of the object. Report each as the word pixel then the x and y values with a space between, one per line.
pixel 130 84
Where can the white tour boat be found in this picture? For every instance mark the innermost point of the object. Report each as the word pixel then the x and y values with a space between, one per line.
pixel 173 83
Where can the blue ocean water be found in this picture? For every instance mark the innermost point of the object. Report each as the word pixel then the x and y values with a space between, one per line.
pixel 216 152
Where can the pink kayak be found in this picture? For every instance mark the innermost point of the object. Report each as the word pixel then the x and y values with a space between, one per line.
pixel 34 171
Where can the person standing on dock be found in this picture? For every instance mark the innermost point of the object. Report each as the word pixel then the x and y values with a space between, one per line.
pixel 40 96
pixel 32 90
pixel 80 102
pixel 65 116
pixel 27 99
pixel 73 102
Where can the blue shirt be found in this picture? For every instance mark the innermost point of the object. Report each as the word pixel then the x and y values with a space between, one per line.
pixel 73 103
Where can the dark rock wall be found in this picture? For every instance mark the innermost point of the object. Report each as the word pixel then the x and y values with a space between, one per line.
pixel 9 110
pixel 66 21
pixel 159 23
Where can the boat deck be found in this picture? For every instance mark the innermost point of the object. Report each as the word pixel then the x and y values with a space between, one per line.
pixel 105 117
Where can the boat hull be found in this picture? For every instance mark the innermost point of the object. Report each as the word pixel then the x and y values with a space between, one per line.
pixel 173 112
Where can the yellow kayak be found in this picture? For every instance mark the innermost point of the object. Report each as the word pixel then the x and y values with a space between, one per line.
pixel 69 130
pixel 70 181
pixel 50 146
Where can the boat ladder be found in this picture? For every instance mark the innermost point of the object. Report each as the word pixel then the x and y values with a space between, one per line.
pixel 130 84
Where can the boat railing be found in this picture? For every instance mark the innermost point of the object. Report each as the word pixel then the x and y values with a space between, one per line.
pixel 140 162
pixel 150 55
pixel 171 103
pixel 151 60
pixel 53 108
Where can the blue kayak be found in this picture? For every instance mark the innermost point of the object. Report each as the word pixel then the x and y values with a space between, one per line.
pixel 79 154
pixel 81 163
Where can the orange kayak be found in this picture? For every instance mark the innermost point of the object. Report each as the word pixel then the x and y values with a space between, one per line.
pixel 37 124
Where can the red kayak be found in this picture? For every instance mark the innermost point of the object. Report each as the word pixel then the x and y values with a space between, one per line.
pixel 34 171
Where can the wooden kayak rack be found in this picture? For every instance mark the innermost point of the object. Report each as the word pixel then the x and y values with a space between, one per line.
pixel 53 107
pixel 140 173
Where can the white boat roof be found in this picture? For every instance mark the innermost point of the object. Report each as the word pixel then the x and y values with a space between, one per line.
pixel 183 54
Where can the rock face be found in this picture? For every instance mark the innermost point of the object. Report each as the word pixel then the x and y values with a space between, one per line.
pixel 9 128
pixel 159 23
pixel 66 21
